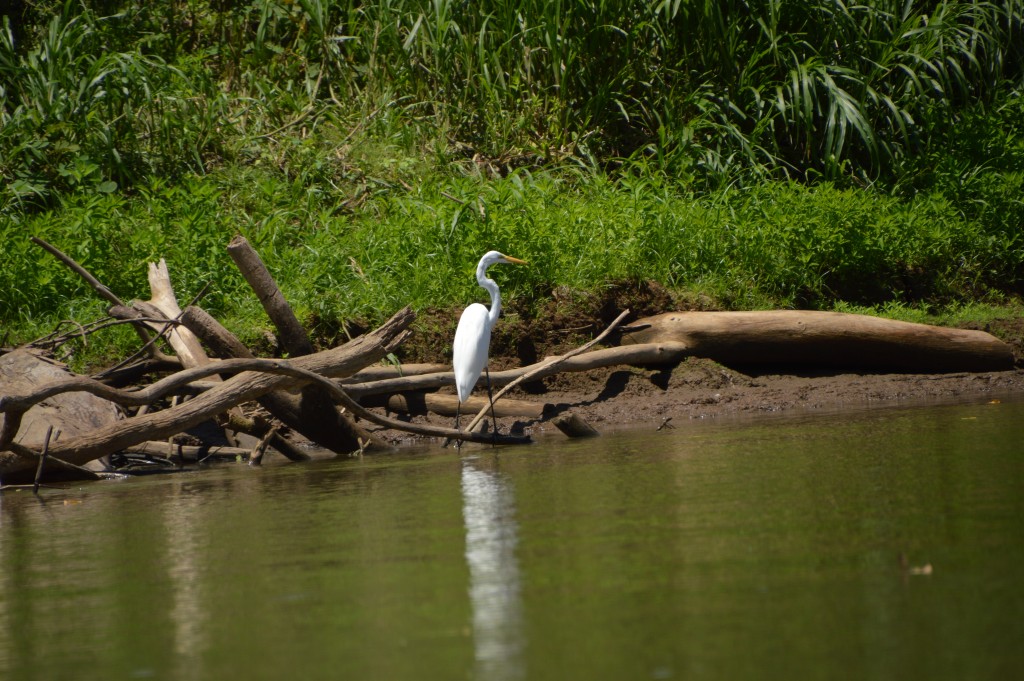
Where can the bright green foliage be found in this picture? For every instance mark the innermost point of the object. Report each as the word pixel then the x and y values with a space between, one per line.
pixel 780 244
pixel 76 114
pixel 709 91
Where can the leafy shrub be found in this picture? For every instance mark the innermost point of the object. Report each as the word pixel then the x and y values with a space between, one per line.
pixel 78 116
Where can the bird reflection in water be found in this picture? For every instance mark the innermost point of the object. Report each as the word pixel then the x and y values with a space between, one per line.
pixel 488 507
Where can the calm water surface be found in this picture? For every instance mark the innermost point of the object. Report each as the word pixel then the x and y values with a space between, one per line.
pixel 764 549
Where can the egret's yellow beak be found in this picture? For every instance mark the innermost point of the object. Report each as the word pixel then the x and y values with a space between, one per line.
pixel 515 261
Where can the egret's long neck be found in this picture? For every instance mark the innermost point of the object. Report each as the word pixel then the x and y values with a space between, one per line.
pixel 492 288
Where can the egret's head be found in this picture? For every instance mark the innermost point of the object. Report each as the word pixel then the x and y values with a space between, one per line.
pixel 494 257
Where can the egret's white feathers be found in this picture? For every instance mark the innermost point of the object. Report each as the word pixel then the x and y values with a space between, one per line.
pixel 473 335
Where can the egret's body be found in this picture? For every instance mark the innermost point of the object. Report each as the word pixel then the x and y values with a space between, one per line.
pixel 473 335
pixel 472 340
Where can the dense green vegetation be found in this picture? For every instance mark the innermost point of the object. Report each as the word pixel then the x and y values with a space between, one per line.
pixel 775 154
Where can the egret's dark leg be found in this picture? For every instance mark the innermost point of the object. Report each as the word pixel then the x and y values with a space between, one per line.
pixel 458 413
pixel 490 397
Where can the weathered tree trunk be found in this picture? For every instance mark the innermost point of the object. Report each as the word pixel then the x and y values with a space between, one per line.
pixel 823 339
pixel 165 303
pixel 293 336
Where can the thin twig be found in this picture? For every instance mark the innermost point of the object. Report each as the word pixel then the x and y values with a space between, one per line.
pixel 140 352
pixel 53 339
pixel 100 288
pixel 546 366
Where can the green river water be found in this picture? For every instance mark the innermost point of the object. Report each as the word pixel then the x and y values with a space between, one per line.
pixel 730 549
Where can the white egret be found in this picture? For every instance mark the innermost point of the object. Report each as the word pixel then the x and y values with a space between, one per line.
pixel 473 335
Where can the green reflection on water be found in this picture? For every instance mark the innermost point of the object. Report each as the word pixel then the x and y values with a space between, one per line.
pixel 764 549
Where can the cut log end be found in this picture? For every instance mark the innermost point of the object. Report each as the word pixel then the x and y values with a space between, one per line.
pixel 574 426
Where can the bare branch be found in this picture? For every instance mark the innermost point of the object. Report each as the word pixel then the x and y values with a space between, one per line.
pixel 100 288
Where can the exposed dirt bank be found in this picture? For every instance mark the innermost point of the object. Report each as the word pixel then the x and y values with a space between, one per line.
pixel 696 388
pixel 699 388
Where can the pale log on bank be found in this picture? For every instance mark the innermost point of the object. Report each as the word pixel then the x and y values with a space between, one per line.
pixel 824 340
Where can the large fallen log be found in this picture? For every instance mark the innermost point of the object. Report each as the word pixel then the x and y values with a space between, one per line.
pixel 823 339
pixel 24 371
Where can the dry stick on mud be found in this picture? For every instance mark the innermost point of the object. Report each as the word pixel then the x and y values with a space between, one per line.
pixel 104 292
pixel 549 365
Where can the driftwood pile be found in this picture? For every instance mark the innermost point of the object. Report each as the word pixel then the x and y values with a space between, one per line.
pixel 57 422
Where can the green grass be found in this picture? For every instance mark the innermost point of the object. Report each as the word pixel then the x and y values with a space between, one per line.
pixel 976 314
pixel 777 245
